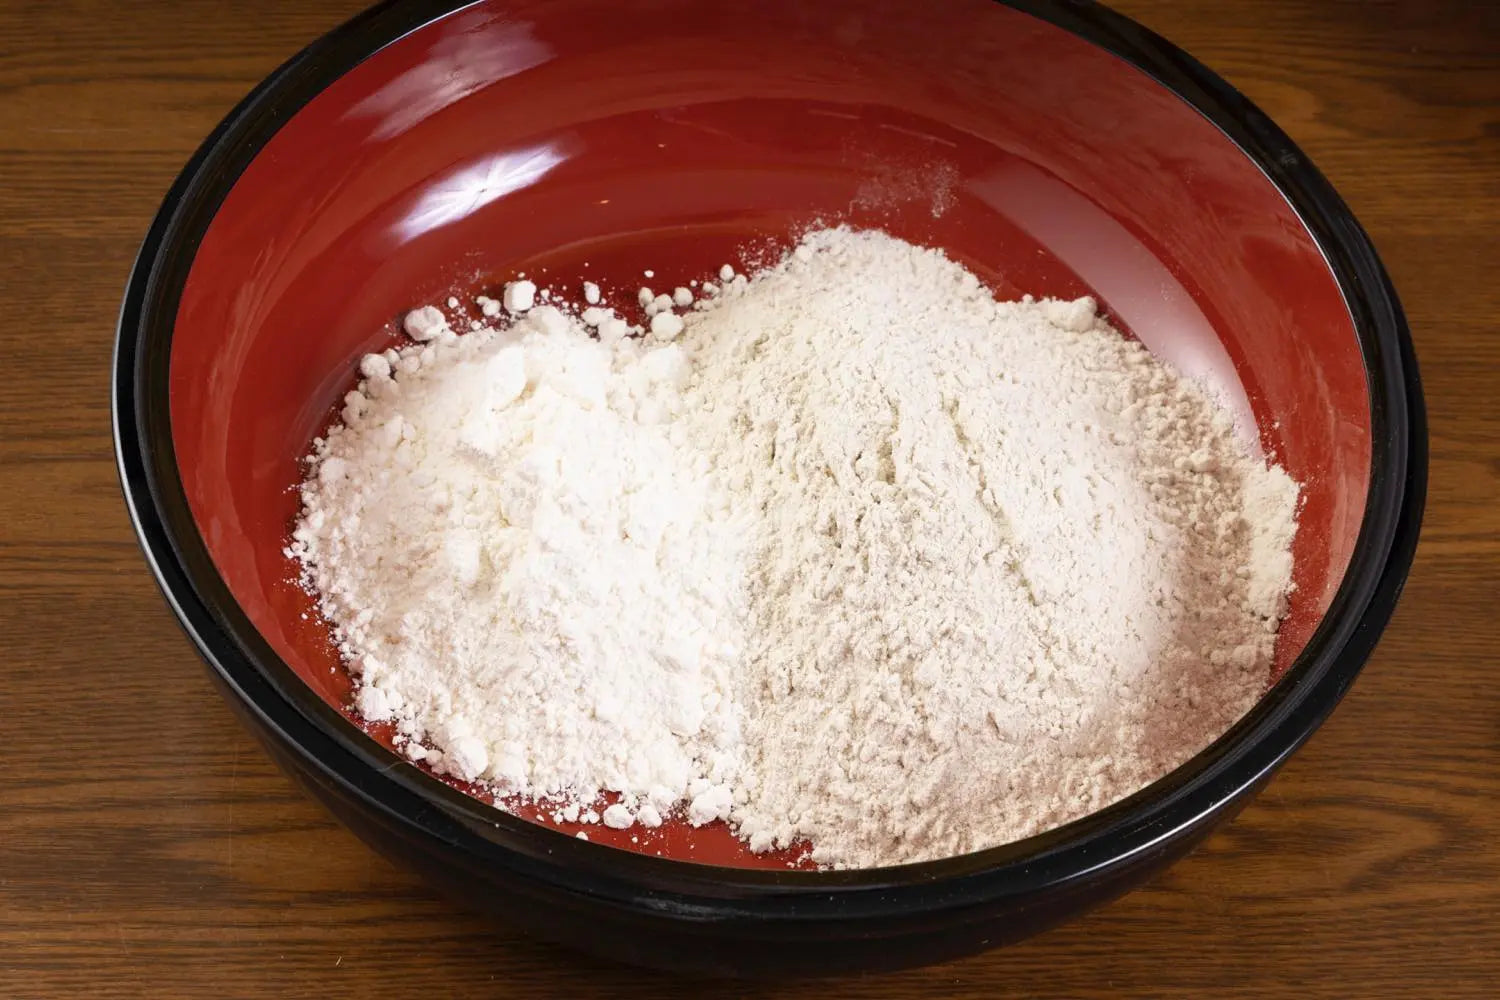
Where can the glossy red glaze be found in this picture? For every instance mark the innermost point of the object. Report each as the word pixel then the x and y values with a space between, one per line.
pixel 573 138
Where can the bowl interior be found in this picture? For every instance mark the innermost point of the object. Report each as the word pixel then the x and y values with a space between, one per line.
pixel 572 137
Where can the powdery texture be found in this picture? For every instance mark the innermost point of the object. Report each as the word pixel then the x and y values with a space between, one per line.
pixel 1004 573
pixel 524 569
pixel 852 555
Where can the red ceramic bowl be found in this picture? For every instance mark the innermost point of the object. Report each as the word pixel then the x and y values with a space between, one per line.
pixel 434 148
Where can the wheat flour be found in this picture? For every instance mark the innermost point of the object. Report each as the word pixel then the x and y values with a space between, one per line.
pixel 847 553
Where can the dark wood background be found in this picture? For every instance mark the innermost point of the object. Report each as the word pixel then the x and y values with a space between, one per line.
pixel 149 849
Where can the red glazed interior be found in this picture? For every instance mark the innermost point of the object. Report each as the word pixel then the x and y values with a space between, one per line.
pixel 535 136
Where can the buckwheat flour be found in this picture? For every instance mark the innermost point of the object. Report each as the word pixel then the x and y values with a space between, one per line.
pixel 846 553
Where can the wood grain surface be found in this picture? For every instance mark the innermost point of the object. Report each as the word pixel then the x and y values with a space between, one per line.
pixel 149 849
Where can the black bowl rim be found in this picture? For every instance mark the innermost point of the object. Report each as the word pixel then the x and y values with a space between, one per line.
pixel 335 748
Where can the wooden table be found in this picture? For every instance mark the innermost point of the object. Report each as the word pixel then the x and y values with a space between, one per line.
pixel 149 849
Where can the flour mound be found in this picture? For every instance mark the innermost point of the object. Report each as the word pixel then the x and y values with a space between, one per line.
pixel 1003 574
pixel 526 571
pixel 847 553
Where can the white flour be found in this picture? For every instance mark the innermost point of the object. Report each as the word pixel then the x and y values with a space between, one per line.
pixel 848 553
pixel 525 570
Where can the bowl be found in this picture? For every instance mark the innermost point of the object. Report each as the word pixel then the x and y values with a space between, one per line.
pixel 430 148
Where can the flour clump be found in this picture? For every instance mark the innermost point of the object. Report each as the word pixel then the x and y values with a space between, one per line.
pixel 845 552
pixel 525 572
